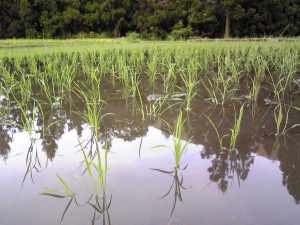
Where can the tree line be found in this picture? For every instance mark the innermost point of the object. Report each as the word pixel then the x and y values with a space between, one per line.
pixel 151 19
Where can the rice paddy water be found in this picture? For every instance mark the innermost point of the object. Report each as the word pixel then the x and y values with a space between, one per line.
pixel 150 132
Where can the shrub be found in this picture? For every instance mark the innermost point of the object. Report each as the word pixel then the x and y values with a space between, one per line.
pixel 182 33
pixel 133 36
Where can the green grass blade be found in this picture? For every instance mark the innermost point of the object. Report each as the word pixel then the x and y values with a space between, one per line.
pixel 68 189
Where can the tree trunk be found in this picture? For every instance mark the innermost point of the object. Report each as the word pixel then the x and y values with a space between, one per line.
pixel 227 26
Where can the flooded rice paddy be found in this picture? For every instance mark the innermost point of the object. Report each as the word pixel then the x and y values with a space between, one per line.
pixel 152 137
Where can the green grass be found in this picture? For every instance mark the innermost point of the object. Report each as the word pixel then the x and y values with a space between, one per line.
pixel 236 128
pixel 179 145
pixel 234 131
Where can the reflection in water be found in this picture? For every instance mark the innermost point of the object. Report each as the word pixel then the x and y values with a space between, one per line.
pixel 290 166
pixel 101 207
pixel 5 139
pixel 95 167
pixel 33 163
pixel 128 125
pixel 177 184
pixel 286 149
pixel 229 165
pixel 53 121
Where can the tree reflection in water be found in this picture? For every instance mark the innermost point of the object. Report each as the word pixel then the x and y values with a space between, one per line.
pixel 289 157
pixel 228 165
pixel 5 139
pixel 128 125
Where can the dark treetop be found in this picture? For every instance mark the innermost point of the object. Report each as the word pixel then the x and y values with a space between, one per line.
pixel 151 19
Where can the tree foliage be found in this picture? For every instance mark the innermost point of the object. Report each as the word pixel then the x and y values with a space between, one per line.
pixel 150 18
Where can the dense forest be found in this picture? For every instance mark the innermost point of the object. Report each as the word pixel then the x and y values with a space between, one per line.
pixel 151 19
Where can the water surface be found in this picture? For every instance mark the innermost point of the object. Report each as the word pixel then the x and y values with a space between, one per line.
pixel 258 182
